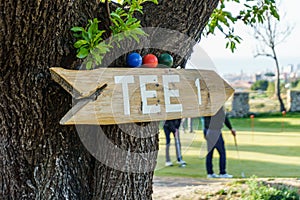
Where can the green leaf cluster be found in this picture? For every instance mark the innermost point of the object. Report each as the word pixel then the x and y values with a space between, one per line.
pixel 90 41
pixel 91 45
pixel 251 12
pixel 123 20
pixel 123 23
pixel 260 191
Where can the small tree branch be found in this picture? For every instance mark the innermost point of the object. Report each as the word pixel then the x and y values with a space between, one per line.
pixel 285 33
pixel 264 54
pixel 260 36
pixel 108 16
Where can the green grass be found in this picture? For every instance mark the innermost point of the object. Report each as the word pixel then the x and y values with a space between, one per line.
pixel 269 146
pixel 260 190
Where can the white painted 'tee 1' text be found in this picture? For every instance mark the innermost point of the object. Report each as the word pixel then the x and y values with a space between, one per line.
pixel 145 94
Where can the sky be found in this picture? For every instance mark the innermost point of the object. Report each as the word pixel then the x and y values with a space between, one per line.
pixel 211 51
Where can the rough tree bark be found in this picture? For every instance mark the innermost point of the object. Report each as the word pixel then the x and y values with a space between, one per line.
pixel 40 158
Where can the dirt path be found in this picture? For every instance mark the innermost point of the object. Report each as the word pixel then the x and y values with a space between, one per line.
pixel 166 188
pixel 182 188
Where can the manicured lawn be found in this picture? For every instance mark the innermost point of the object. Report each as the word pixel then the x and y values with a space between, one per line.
pixel 268 147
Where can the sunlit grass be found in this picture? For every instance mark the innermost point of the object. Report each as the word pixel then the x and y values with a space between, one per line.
pixel 269 149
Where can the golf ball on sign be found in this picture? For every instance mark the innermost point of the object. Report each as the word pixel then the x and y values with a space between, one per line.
pixel 165 59
pixel 150 61
pixel 134 60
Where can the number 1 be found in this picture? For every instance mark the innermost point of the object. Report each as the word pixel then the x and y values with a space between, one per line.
pixel 197 83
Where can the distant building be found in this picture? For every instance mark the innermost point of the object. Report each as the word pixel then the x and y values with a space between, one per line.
pixel 297 71
pixel 288 69
pixel 298 67
pixel 257 77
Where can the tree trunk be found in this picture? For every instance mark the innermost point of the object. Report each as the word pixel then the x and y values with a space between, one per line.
pixel 40 158
pixel 277 83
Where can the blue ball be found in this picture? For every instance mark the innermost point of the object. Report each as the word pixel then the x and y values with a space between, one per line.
pixel 134 60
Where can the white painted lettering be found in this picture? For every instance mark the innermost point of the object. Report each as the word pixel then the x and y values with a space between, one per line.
pixel 145 94
pixel 125 80
pixel 171 93
pixel 197 83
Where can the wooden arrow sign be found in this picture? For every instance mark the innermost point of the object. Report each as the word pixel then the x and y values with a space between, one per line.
pixel 125 95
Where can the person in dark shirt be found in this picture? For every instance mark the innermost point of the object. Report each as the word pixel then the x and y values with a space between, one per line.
pixel 213 134
pixel 172 126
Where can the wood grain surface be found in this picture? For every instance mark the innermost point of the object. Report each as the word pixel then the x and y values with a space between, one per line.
pixel 141 94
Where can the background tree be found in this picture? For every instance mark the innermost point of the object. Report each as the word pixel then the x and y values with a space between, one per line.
pixel 269 35
pixel 295 84
pixel 260 85
pixel 250 12
pixel 40 158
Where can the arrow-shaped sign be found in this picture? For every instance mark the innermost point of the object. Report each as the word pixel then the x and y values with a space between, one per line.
pixel 125 95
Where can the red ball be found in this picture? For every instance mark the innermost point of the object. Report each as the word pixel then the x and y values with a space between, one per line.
pixel 251 116
pixel 150 61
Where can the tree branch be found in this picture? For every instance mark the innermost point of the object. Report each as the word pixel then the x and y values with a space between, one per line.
pixel 264 54
pixel 285 33
pixel 108 16
pixel 260 36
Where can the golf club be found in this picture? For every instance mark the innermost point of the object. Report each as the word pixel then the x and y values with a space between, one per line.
pixel 238 154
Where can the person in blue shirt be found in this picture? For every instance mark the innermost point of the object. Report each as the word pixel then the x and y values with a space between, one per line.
pixel 213 134
pixel 172 126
